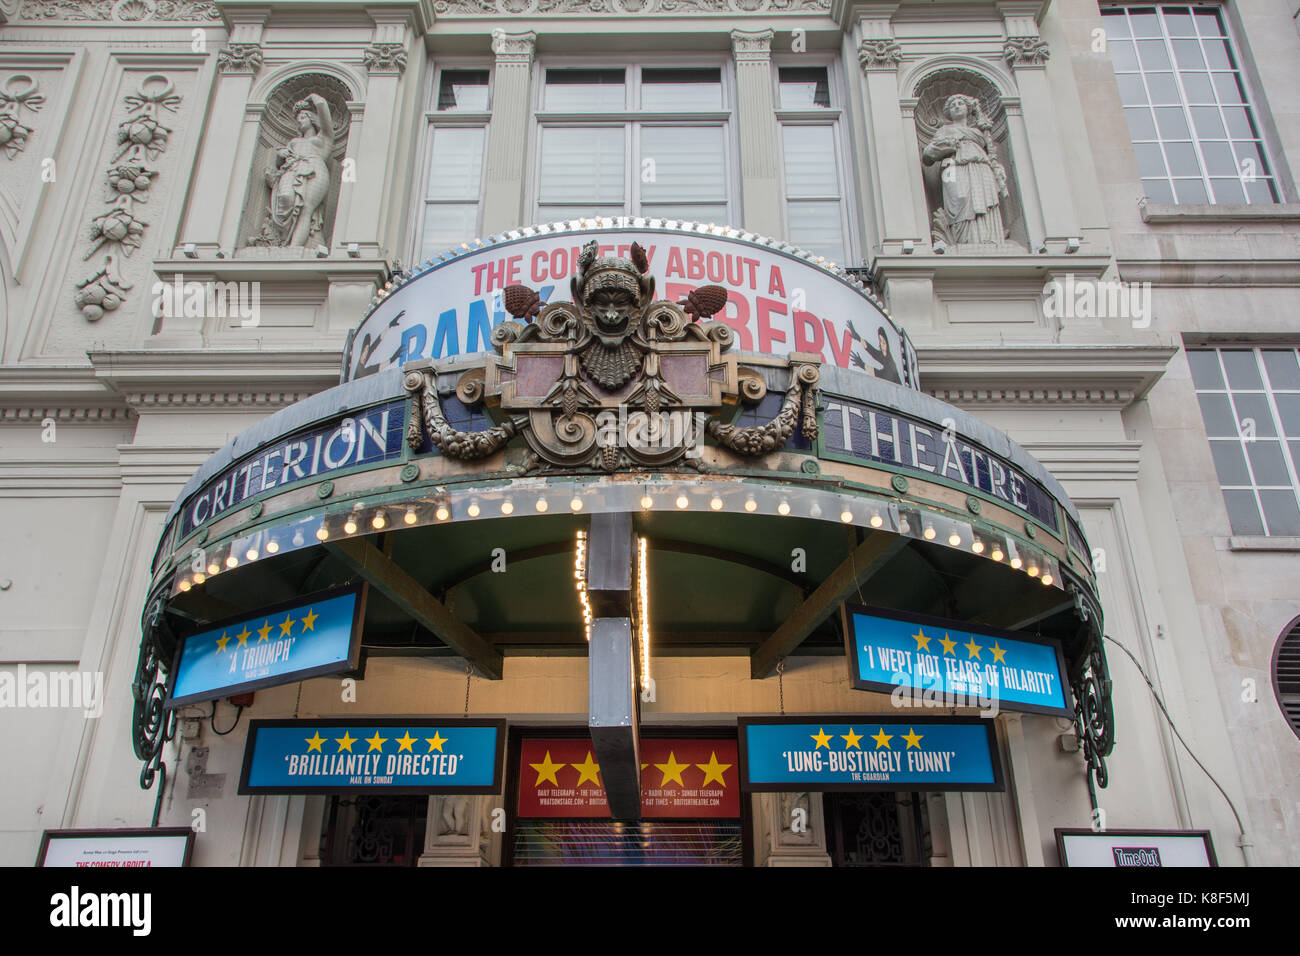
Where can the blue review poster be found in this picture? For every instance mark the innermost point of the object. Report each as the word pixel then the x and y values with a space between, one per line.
pixel 868 752
pixel 986 668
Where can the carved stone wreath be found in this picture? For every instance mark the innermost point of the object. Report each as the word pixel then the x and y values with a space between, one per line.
pixel 613 380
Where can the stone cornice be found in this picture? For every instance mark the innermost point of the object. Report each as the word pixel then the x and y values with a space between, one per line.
pixel 215 379
pixel 1037 375
pixel 420 11
pixel 1210 272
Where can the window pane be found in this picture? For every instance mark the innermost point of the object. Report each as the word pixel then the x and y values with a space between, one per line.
pixel 1163 89
pixel 1140 123
pixel 1254 406
pixel 1187 54
pixel 1132 92
pixel 582 164
pixel 1208 123
pixel 1182 159
pixel 1208 23
pixel 1261 190
pixel 1178 21
pixel 1123 55
pixel 1144 22
pixel 1217 54
pixel 1280 512
pixel 682 163
pixel 1228 88
pixel 810 169
pixel 1288 407
pixel 816 227
pixel 1240 125
pixel 1153 54
pixel 671 89
pixel 1219 420
pixel 584 90
pixel 1219 160
pixel 1243 512
pixel 1172 123
pixel 447 225
pixel 1205 368
pixel 1282 367
pixel 1116 23
pixel 1198 87
pixel 1158 190
pixel 1230 463
pixel 807 87
pixel 1267 463
pixel 1151 161
pixel 456 164
pixel 1228 191
pixel 463 90
pixel 1242 369
pixel 1191 191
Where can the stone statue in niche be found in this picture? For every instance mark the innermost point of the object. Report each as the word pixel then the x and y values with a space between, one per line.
pixel 300 182
pixel 973 181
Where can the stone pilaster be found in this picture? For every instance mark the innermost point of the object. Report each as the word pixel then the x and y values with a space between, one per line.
pixel 790 830
pixel 503 190
pixel 761 187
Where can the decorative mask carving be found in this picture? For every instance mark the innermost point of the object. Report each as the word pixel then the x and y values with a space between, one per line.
pixel 613 380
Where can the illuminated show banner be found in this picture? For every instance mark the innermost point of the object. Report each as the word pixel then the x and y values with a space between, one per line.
pixel 362 438
pixel 415 755
pixel 868 752
pixel 681 778
pixel 1135 849
pixel 863 433
pixel 777 302
pixel 125 848
pixel 940 661
pixel 308 637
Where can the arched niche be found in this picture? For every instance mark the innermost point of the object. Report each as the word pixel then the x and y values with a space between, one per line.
pixel 960 171
pixel 293 187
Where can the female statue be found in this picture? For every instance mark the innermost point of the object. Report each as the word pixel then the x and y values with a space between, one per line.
pixel 301 182
pixel 972 179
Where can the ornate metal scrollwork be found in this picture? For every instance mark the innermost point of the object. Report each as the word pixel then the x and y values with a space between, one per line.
pixel 762 439
pixel 427 416
pixel 1094 720
pixel 152 725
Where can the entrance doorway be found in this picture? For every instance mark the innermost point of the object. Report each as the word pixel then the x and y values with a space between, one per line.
pixel 374 831
pixel 877 829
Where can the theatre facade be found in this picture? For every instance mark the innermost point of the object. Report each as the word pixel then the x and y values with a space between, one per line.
pixel 725 432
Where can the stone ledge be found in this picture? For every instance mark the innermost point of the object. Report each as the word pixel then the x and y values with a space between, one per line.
pixel 1264 543
pixel 1158 213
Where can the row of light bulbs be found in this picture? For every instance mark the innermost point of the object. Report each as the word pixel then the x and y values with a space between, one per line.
pixel 409 515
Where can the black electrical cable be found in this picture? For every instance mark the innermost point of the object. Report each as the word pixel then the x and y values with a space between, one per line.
pixel 1241 829
pixel 212 720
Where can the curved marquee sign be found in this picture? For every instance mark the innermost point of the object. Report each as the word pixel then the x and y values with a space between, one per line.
pixel 778 300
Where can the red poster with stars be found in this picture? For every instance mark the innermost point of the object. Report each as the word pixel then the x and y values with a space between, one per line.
pixel 681 778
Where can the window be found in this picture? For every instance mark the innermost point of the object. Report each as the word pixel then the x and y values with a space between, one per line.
pixel 1194 129
pixel 457 144
pixel 641 141
pixel 1250 401
pixel 1286 674
pixel 814 196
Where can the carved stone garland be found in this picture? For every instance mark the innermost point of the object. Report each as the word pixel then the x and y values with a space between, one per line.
pixel 14 98
pixel 614 380
pixel 141 138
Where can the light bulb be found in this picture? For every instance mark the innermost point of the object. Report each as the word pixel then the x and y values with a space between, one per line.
pixel 199 577
pixel 876 521
pixel 350 526
pixel 928 533
pixel 575 503
pixel 410 516
pixel 378 521
pixel 816 510
pixel 507 507
pixel 185 585
pixel 322 533
pixel 231 560
pixel 541 504
pixel 954 539
pixel 715 503
pixel 646 502
pixel 751 504
pixel 683 501
pixel 1016 563
pixel 272 547
pixel 251 554
pixel 213 568
pixel 473 509
pixel 978 547
pixel 1032 570
pixel 297 538
pixel 442 514
pixel 783 508
pixel 846 516
pixel 997 554
pixel 1047 579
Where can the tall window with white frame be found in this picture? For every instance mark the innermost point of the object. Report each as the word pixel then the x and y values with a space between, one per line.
pixel 457 145
pixel 808 116
pixel 1194 127
pixel 640 140
pixel 1250 401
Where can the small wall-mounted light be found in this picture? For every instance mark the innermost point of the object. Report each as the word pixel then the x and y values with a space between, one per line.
pixel 322 252
pixel 909 247
pixel 940 247
pixel 354 250
pixel 189 251
pixel 221 253
pixel 1072 244
pixel 1042 248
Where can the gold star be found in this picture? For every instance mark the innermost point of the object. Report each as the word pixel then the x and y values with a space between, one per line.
pixel 851 739
pixel 309 620
pixel 973 648
pixel 587 770
pixel 822 737
pixel 264 632
pixel 672 770
pixel 376 743
pixel 546 770
pixel 713 770
pixel 948 644
pixel 436 742
pixel 222 641
pixel 313 743
pixel 345 742
pixel 999 654
pixel 882 739
pixel 243 636
pixel 922 642
pixel 404 742
pixel 286 626
pixel 913 738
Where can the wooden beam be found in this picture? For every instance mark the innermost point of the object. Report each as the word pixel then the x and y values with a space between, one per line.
pixel 387 576
pixel 863 561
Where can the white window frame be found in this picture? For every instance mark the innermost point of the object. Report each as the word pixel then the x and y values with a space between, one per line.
pixel 833 116
pixel 632 119
pixel 435 119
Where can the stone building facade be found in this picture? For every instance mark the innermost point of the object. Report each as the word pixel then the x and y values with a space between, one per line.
pixel 981 162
